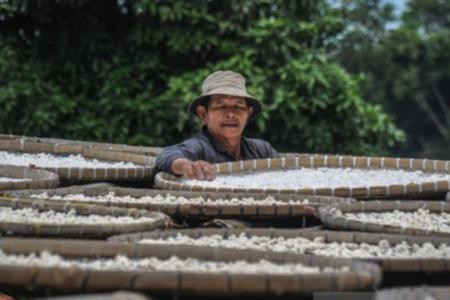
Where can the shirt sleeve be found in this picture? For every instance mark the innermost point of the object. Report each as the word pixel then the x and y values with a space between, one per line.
pixel 262 149
pixel 190 149
pixel 272 152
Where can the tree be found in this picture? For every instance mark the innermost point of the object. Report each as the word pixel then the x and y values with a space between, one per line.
pixel 124 71
pixel 406 70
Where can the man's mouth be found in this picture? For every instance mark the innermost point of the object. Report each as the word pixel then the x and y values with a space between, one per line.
pixel 233 125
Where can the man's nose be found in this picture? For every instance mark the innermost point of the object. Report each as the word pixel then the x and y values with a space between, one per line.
pixel 230 113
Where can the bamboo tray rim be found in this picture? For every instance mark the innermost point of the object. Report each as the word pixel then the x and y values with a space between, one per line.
pixel 193 210
pixel 78 229
pixel 388 264
pixel 361 275
pixel 168 181
pixel 144 150
pixel 103 188
pixel 144 165
pixel 45 179
pixel 329 235
pixel 328 216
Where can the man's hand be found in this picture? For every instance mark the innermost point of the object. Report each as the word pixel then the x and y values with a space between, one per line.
pixel 199 169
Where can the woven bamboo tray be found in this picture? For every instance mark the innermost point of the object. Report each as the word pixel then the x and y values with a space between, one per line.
pixel 361 275
pixel 330 218
pixel 414 293
pixel 143 150
pixel 170 182
pixel 197 211
pixel 78 230
pixel 387 264
pixel 8 136
pixel 74 145
pixel 143 172
pixel 38 178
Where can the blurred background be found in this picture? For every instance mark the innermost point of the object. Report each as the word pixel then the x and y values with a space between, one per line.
pixel 349 77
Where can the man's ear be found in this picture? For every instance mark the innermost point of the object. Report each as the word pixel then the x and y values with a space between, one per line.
pixel 201 113
pixel 250 113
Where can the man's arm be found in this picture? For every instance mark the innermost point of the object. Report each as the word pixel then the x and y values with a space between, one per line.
pixel 273 152
pixel 199 169
pixel 185 160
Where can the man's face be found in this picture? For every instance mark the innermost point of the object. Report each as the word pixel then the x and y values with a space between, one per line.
pixel 226 116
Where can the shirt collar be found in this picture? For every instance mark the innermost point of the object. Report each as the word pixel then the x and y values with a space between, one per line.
pixel 214 142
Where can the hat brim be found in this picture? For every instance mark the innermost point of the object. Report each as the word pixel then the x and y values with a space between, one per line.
pixel 203 100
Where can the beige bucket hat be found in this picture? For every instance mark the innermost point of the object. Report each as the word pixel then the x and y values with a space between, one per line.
pixel 227 83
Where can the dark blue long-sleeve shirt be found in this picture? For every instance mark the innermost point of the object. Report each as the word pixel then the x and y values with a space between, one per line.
pixel 205 147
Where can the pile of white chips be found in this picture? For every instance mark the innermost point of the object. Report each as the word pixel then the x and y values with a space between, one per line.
pixel 46 160
pixel 10 179
pixel 111 197
pixel 419 219
pixel 317 246
pixel 319 178
pixel 33 216
pixel 121 262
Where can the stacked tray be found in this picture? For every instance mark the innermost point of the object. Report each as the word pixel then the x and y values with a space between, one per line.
pixel 27 217
pixel 231 271
pixel 394 253
pixel 115 166
pixel 190 205
pixel 74 145
pixel 425 177
pixel 142 150
pixel 16 178
pixel 387 217
pixel 8 136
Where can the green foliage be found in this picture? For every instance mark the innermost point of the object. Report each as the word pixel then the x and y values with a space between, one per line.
pixel 406 71
pixel 125 71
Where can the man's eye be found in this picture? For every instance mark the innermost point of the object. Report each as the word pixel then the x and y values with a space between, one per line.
pixel 229 107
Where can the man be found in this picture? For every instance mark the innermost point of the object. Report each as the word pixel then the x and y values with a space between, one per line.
pixel 225 108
